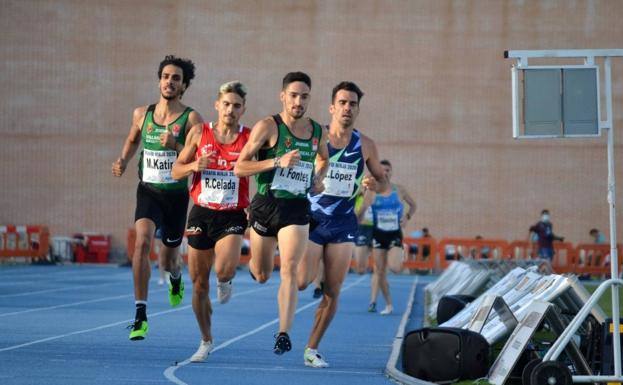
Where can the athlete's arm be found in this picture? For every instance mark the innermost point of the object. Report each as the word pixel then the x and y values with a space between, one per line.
pixel 131 143
pixel 368 199
pixel 404 195
pixel 184 164
pixel 371 156
pixel 321 163
pixel 261 135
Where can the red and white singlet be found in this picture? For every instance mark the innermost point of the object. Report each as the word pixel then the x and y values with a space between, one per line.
pixel 217 187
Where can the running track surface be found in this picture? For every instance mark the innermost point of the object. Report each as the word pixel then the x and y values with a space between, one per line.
pixel 67 325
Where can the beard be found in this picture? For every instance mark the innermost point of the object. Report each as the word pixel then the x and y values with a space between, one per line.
pixel 297 113
pixel 169 97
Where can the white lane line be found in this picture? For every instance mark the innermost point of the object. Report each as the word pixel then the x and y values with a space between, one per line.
pixel 74 303
pixel 55 290
pixel 169 372
pixel 127 321
pixel 294 370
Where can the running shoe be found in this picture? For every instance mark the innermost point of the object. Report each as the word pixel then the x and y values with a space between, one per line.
pixel 317 292
pixel 313 359
pixel 176 293
pixel 223 291
pixel 389 309
pixel 372 307
pixel 138 330
pixel 282 343
pixel 205 347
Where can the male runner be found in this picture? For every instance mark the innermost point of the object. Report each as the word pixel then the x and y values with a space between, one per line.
pixel 217 220
pixel 333 239
pixel 161 201
pixel 291 158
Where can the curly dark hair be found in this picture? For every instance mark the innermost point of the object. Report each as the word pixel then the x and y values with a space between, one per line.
pixel 187 66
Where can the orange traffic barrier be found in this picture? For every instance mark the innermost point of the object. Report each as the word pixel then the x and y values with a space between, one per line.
pixel 594 259
pixel 565 257
pixel 450 249
pixel 521 250
pixel 420 253
pixel 31 241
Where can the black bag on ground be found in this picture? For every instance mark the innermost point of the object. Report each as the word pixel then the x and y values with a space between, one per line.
pixel 445 355
pixel 450 305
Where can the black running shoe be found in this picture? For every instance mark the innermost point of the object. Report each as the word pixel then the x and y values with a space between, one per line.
pixel 282 343
pixel 317 292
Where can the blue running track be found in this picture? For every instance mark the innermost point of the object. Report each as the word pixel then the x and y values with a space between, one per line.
pixel 67 325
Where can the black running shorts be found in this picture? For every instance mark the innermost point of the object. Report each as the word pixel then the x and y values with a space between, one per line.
pixel 386 239
pixel 167 209
pixel 270 214
pixel 207 226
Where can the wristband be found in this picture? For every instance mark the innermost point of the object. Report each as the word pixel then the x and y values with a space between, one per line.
pixel 277 162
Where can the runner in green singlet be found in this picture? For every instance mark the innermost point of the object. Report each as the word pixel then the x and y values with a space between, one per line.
pixel 161 201
pixel 288 154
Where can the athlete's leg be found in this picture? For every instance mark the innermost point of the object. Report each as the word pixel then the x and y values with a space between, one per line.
pixel 227 252
pixel 361 255
pixel 145 229
pixel 380 276
pixel 337 261
pixel 380 267
pixel 262 256
pixel 227 257
pixel 172 260
pixel 308 268
pixel 199 265
pixel 395 257
pixel 293 241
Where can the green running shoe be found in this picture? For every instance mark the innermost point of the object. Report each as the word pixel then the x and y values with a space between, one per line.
pixel 139 330
pixel 176 293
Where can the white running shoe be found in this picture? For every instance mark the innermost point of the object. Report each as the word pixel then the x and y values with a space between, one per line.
pixel 205 347
pixel 313 359
pixel 223 291
pixel 389 309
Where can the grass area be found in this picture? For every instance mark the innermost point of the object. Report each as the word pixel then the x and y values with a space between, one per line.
pixel 605 302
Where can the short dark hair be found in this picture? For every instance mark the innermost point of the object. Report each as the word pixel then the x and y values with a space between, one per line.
pixel 386 162
pixel 187 66
pixel 348 86
pixel 593 231
pixel 298 76
pixel 545 211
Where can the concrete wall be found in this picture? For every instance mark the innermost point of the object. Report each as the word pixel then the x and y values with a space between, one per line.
pixel 437 100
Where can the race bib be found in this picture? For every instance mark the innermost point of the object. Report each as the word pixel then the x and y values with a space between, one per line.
pixel 157 166
pixel 219 187
pixel 387 220
pixel 340 180
pixel 295 180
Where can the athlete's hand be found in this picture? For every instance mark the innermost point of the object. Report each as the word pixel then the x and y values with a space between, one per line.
pixel 118 167
pixel 317 185
pixel 167 139
pixel 369 183
pixel 290 159
pixel 204 161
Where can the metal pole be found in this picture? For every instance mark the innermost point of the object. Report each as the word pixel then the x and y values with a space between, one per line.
pixel 614 259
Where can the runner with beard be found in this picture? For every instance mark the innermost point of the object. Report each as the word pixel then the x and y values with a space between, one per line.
pixel 161 201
